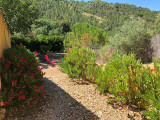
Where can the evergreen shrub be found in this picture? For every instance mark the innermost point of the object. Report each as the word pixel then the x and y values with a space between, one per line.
pixel 41 44
pixel 132 83
pixel 80 62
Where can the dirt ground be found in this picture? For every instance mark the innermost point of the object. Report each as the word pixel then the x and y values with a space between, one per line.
pixel 69 99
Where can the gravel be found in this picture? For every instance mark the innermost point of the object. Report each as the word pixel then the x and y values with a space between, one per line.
pixel 70 99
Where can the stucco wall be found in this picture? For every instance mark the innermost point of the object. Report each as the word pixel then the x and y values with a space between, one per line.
pixel 4 35
pixel 156 46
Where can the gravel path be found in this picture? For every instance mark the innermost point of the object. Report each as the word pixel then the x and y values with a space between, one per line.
pixel 68 99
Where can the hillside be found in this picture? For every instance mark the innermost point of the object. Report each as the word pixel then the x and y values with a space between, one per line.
pixel 103 15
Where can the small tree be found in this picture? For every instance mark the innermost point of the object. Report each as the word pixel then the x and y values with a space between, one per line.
pixel 133 38
pixel 85 32
pixel 19 14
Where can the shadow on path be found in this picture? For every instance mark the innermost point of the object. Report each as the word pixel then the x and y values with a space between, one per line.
pixel 58 105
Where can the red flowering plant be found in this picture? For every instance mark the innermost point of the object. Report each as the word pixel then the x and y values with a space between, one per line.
pixel 107 56
pixel 22 78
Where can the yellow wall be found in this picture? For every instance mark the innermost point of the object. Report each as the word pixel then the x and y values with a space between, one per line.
pixel 4 35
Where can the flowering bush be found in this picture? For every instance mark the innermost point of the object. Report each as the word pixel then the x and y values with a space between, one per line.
pixel 22 78
pixel 132 83
pixel 80 63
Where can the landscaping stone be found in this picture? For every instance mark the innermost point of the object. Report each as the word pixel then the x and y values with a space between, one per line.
pixel 2 113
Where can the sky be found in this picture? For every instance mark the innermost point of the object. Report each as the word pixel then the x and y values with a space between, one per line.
pixel 151 4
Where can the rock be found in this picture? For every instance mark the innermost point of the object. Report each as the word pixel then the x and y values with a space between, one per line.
pixel 131 115
pixel 93 111
pixel 99 113
pixel 2 113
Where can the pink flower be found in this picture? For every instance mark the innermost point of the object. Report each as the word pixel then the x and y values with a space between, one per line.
pixel 21 97
pixel 107 55
pixel 41 87
pixel 18 87
pixel 34 86
pixel 153 70
pixel 42 94
pixel 32 75
pixel 14 82
pixel 37 98
pixel 10 99
pixel 20 92
pixel 94 49
pixel 111 50
pixel 24 74
pixel 8 64
pixel 12 91
pixel 4 103
pixel 25 80
pixel 36 90
pixel 122 104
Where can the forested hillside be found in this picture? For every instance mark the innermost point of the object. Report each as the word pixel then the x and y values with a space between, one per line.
pixel 101 14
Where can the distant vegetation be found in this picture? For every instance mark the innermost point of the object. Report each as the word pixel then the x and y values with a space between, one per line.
pixel 112 15
pixel 94 23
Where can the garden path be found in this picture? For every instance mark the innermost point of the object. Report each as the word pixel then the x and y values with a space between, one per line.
pixel 68 99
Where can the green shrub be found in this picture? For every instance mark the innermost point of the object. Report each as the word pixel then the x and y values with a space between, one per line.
pixel 45 48
pixel 85 34
pixel 41 44
pixel 80 63
pixel 55 41
pixel 17 41
pixel 132 83
pixel 22 78
pixel 152 97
